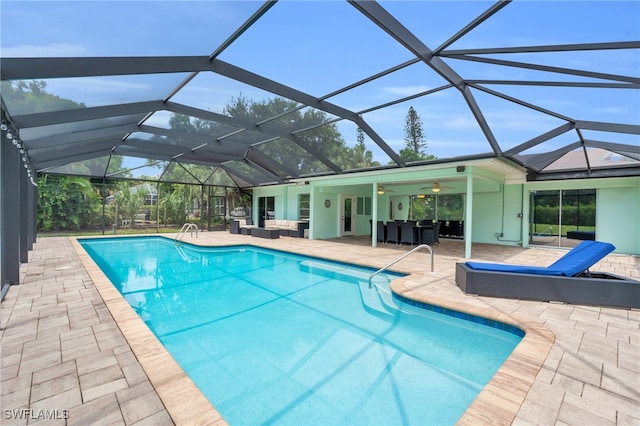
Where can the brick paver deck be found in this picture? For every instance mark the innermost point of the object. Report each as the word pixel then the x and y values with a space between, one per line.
pixel 73 352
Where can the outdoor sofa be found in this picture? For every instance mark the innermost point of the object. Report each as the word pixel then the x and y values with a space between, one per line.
pixel 567 280
pixel 289 228
pixel 241 226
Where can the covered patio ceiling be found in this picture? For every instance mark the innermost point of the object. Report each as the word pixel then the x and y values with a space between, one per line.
pixel 247 94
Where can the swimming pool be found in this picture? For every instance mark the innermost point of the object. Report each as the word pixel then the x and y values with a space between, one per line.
pixel 271 337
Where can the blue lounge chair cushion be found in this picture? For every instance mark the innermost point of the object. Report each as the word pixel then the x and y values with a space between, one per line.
pixel 518 269
pixel 577 260
pixel 582 257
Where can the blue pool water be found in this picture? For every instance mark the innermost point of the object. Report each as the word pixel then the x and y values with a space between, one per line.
pixel 277 338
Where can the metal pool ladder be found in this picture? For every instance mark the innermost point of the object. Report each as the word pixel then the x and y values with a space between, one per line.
pixel 186 228
pixel 427 246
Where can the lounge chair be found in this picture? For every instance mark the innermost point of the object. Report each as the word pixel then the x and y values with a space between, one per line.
pixel 566 280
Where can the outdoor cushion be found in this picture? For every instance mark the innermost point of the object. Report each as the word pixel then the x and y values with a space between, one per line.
pixel 577 260
pixel 582 257
pixel 519 269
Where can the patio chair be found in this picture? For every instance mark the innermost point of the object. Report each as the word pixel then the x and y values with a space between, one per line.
pixel 408 233
pixel 430 235
pixel 445 228
pixel 566 280
pixel 382 231
pixel 436 233
pixel 393 232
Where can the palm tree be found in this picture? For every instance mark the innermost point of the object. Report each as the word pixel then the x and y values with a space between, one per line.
pixel 130 199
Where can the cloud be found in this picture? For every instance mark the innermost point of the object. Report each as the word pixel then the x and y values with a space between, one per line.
pixel 97 85
pixel 213 98
pixel 613 110
pixel 451 146
pixel 44 51
pixel 94 91
pixel 521 120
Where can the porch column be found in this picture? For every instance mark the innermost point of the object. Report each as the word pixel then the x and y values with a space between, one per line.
pixel 374 216
pixel 9 212
pixel 312 211
pixel 25 217
pixel 468 215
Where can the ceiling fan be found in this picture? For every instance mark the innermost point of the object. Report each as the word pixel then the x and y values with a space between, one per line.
pixel 381 190
pixel 436 187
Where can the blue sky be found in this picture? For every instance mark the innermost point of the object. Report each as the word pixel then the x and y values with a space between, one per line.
pixel 319 47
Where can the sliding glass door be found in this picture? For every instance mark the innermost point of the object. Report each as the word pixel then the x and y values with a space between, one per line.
pixel 266 209
pixel 562 218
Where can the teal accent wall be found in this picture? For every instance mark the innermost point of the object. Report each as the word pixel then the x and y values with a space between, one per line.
pixel 383 207
pixel 498 214
pixel 487 212
pixel 617 208
pixel 291 208
pixel 400 214
pixel 500 205
pixel 618 218
pixel 286 199
pixel 325 220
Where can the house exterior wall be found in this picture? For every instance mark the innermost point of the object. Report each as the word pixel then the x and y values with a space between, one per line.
pixel 496 217
pixel 618 218
pixel 500 208
pixel 617 208
pixel 325 222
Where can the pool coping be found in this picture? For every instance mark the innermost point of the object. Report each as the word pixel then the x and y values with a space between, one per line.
pixel 184 402
pixel 501 398
pixel 497 403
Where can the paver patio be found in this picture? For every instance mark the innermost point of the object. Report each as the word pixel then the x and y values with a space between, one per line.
pixel 73 353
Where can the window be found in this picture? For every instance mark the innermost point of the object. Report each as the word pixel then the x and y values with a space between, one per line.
pixel 364 206
pixel 450 207
pixel 423 208
pixel 304 203
pixel 437 207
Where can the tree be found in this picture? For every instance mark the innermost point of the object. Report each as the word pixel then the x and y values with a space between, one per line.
pixel 325 139
pixel 129 199
pixel 66 203
pixel 360 155
pixel 415 142
pixel 32 96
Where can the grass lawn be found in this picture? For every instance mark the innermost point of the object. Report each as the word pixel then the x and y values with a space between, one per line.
pixel 119 231
pixel 546 229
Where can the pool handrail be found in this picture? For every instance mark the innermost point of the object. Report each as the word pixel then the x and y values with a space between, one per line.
pixel 384 268
pixel 186 228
